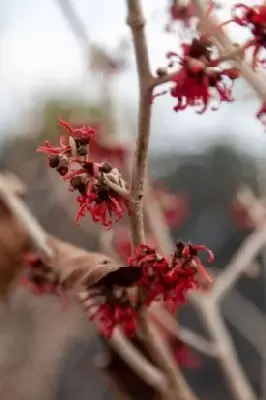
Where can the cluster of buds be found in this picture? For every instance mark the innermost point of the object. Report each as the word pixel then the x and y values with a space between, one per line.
pixel 95 182
pixel 159 278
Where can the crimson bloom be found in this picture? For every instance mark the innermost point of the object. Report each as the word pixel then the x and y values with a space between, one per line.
pixel 170 280
pixel 103 203
pixel 82 133
pixel 183 13
pixel 73 144
pixel 255 19
pixel 111 315
pixel 108 303
pixel 200 79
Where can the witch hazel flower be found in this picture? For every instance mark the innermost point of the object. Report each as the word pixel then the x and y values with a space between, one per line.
pixel 73 144
pixel 182 13
pixel 99 184
pixel 200 79
pixel 97 198
pixel 170 279
pixel 254 18
pixel 114 309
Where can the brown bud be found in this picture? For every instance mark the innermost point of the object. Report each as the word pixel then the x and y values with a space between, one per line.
pixel 79 184
pixel 62 167
pixel 82 150
pixel 53 161
pixel 161 72
pixel 89 167
pixel 106 168
pixel 81 147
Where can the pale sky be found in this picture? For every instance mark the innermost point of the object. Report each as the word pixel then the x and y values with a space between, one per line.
pixel 39 54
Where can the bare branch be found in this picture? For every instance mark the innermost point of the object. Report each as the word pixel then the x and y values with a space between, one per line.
pixel 76 23
pixel 244 256
pixel 227 357
pixel 136 22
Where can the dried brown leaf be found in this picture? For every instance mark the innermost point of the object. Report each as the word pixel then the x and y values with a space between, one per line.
pixel 78 267
pixel 14 241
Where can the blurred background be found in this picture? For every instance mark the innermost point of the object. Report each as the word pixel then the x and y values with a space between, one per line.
pixel 77 62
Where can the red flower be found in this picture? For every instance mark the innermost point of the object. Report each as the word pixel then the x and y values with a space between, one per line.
pixel 83 133
pixel 103 204
pixel 111 316
pixel 95 198
pixel 63 149
pixel 170 280
pixel 198 82
pixel 255 19
pixel 73 145
pixel 180 14
pixel 115 310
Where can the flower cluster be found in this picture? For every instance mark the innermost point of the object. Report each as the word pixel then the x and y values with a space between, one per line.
pixel 170 279
pixel 201 77
pixel 159 278
pixel 254 18
pixel 116 310
pixel 71 160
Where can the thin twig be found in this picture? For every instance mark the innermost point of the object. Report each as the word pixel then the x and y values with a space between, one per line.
pixel 136 22
pixel 187 336
pixel 244 256
pixel 76 23
pixel 226 356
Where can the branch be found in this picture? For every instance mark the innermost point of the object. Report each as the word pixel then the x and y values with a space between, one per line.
pixel 76 23
pixel 244 256
pixel 227 357
pixel 136 22
pixel 154 344
pixel 187 336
